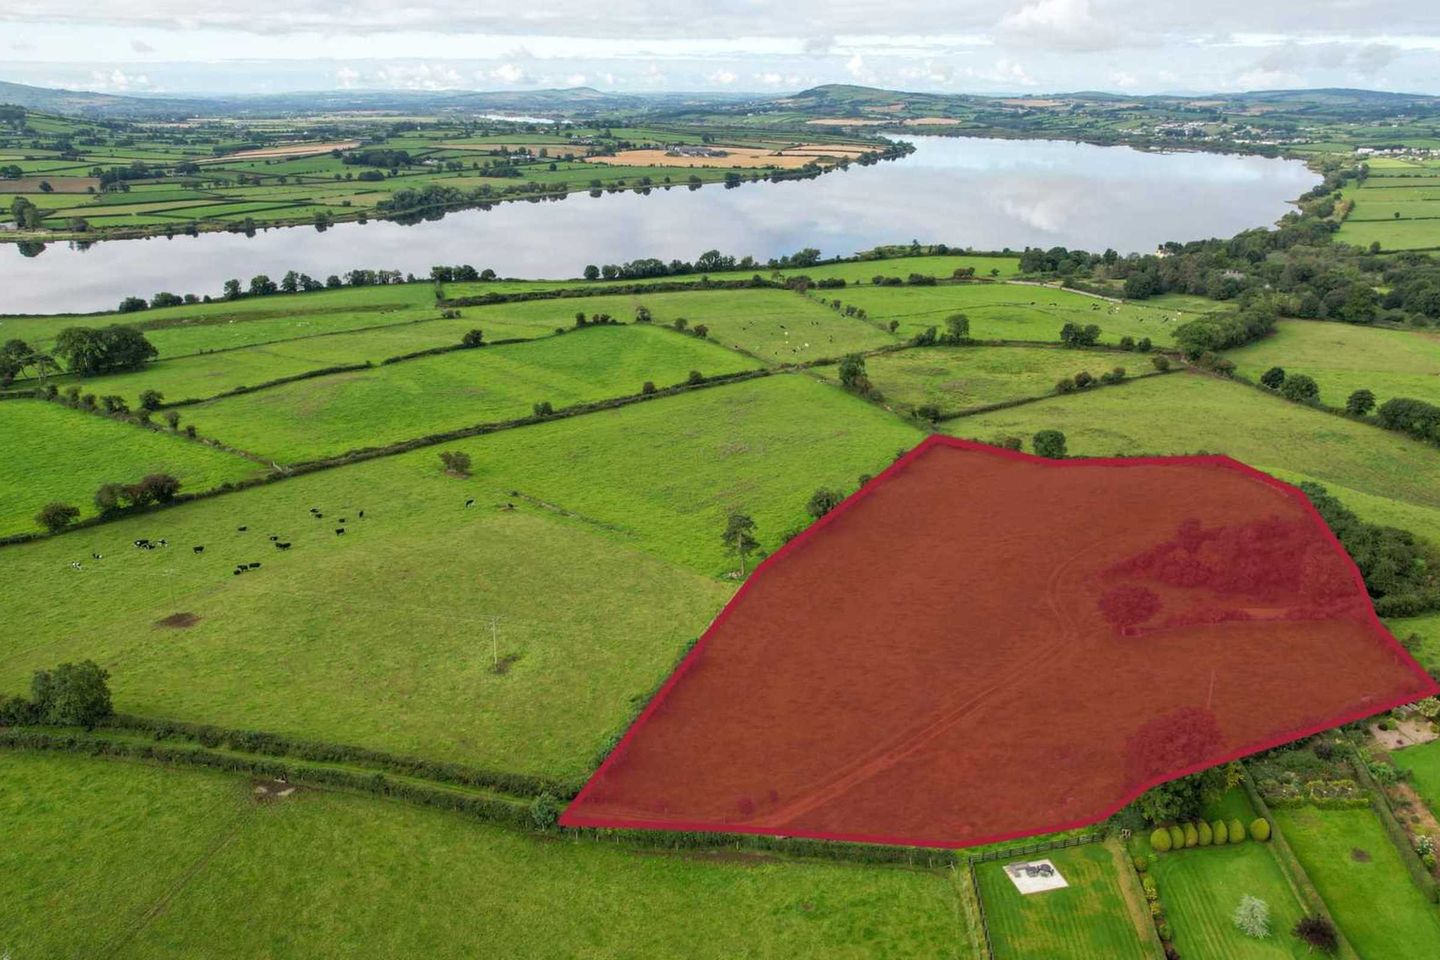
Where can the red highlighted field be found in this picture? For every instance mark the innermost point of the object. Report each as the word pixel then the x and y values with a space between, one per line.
pixel 982 645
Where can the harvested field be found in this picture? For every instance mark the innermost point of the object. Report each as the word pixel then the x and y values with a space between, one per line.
pixel 294 150
pixel 951 636
pixel 733 157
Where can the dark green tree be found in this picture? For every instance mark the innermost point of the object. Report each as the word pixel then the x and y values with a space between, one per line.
pixel 739 537
pixel 72 695
pixel 1049 443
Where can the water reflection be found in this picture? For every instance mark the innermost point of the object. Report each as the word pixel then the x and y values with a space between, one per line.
pixel 986 194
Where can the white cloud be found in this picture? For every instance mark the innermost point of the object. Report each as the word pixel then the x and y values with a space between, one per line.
pixel 140 46
pixel 722 78
pixel 347 77
pixel 507 73
pixel 1058 25
pixel 118 80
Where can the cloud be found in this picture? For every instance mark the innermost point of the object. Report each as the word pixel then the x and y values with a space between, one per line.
pixel 118 80
pixel 507 73
pixel 140 46
pixel 1374 57
pixel 722 78
pixel 1058 25
pixel 347 77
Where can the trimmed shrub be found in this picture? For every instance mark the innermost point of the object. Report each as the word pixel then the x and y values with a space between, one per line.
pixel 1220 832
pixel 1192 836
pixel 1260 829
pixel 1237 831
pixel 1160 840
pixel 1177 837
pixel 1207 836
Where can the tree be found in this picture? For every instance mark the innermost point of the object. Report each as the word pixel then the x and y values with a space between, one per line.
pixel 56 516
pixel 1049 443
pixel 88 351
pixel 473 338
pixel 232 289
pixel 642 314
pixel 151 399
pixel 739 537
pixel 822 501
pixel 544 811
pixel 543 409
pixel 1273 378
pixel 1317 932
pixel 592 272
pixel 957 328
pixel 1300 388
pixel 172 417
pixel 1360 403
pixel 456 463
pixel 72 695
pixel 1252 917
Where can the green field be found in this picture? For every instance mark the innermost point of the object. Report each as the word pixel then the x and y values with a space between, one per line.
pixel 1007 311
pixel 1194 413
pixel 1087 919
pixel 1423 763
pixel 1372 898
pixel 331 415
pixel 55 453
pixel 1342 358
pixel 957 378
pixel 103 858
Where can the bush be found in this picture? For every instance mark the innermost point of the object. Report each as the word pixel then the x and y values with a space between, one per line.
pixel 1220 832
pixel 1273 379
pixel 1160 362
pixel 1207 836
pixel 72 695
pixel 1318 933
pixel 822 501
pixel 1360 403
pixel 1142 864
pixel 1192 836
pixel 57 516
pixel 1260 829
pixel 473 338
pixel 1177 837
pixel 648 387
pixel 1049 443
pixel 1237 831
pixel 1152 892
pixel 544 811
pixel 455 462
pixel 1300 389
pixel 695 378
pixel 543 409
pixel 1160 840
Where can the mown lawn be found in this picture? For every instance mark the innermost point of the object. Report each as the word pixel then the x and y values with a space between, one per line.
pixel 1423 762
pixel 1085 920
pixel 1342 358
pixel 957 378
pixel 1201 887
pixel 1005 311
pixel 331 415
pixel 1357 870
pixel 104 858
pixel 55 453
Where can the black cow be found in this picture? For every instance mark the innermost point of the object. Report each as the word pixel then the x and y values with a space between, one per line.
pixel 198 549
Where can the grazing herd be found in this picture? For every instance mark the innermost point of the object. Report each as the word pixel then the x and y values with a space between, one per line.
pixel 145 543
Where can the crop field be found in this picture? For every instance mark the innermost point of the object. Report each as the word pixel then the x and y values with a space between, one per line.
pixel 131 861
pixel 1089 918
pixel 1343 357
pixel 1356 868
pixel 58 454
pixel 360 167
pixel 957 378
pixel 1011 311
pixel 337 413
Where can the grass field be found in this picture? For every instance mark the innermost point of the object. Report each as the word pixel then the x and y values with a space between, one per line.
pixel 665 475
pixel 957 378
pixel 1087 919
pixel 1398 207
pixel 1192 413
pixel 1372 898
pixel 103 858
pixel 378 637
pixel 1003 311
pixel 330 415
pixel 1423 762
pixel 1427 628
pixel 1342 358
pixel 55 453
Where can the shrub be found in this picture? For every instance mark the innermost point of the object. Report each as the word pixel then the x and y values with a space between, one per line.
pixel 1152 892
pixel 455 462
pixel 822 501
pixel 1142 864
pixel 57 516
pixel 1207 836
pixel 648 387
pixel 1260 829
pixel 1318 933
pixel 928 412
pixel 72 695
pixel 1300 389
pixel 1065 385
pixel 172 417
pixel 543 409
pixel 1177 837
pixel 1236 831
pixel 1049 443
pixel 695 378
pixel 1083 379
pixel 1192 836
pixel 1252 917
pixel 1160 362
pixel 1273 378
pixel 1160 840
pixel 1220 832
pixel 544 811
pixel 1360 403
pixel 473 338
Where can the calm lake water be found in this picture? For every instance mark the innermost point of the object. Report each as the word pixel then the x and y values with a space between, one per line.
pixel 985 194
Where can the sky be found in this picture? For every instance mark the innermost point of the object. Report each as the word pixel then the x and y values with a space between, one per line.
pixel 969 46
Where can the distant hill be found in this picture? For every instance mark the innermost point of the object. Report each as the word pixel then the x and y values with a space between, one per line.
pixel 573 101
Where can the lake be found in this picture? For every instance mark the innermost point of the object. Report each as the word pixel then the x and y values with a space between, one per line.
pixel 985 194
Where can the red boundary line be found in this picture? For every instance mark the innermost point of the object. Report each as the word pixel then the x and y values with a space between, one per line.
pixel 1428 687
